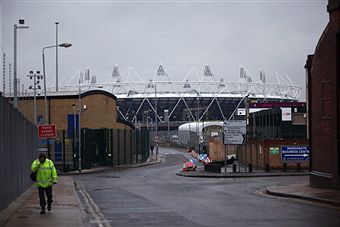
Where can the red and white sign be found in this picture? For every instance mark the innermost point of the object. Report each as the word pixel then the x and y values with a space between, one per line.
pixel 47 131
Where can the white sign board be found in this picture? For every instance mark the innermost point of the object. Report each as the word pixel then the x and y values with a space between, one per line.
pixel 286 114
pixel 234 132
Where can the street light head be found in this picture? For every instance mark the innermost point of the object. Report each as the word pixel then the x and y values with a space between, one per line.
pixel 65 45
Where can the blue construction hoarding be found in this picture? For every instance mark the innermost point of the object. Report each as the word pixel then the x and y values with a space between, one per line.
pixel 295 153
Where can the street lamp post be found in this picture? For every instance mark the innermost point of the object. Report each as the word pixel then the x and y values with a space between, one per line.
pixel 16 27
pixel 198 125
pixel 246 103
pixel 65 45
pixel 56 56
pixel 80 109
pixel 156 121
pixel 74 130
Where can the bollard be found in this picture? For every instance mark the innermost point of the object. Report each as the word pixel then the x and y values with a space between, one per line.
pixel 250 167
pixel 234 168
pixel 298 166
pixel 267 167
pixel 284 167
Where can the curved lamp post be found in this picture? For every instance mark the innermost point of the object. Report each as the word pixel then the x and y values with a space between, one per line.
pixel 65 45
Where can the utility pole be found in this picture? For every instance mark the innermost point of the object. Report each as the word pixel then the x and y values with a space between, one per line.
pixel 156 122
pixel 80 109
pixel 56 56
pixel 4 74
pixel 10 79
pixel 22 91
pixel 74 133
pixel 246 104
pixel 15 68
pixel 18 88
pixel 198 125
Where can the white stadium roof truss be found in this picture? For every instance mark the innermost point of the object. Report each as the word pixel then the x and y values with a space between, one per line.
pixel 195 85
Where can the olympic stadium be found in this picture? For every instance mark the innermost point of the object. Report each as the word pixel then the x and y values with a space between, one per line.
pixel 200 96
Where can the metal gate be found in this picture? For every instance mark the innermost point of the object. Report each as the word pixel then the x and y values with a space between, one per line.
pixel 111 147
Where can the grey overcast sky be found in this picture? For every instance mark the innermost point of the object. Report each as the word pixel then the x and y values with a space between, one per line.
pixel 275 36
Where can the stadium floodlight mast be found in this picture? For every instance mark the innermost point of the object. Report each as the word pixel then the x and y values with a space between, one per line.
pixel 65 45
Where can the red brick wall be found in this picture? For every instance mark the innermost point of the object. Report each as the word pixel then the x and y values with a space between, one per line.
pixel 324 103
pixel 258 153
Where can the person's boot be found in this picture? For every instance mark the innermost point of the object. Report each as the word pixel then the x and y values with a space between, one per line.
pixel 42 210
pixel 49 207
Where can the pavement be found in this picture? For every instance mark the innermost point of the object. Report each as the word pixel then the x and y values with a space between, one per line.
pixel 67 210
pixel 297 191
pixel 25 211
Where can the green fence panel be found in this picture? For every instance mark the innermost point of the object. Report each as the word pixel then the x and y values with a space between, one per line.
pixel 121 138
pixel 115 147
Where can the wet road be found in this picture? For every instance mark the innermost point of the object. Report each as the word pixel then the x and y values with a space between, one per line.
pixel 156 196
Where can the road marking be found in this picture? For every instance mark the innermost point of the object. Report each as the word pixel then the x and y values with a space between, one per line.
pixel 93 208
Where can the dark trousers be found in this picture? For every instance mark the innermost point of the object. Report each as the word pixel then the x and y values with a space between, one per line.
pixel 42 196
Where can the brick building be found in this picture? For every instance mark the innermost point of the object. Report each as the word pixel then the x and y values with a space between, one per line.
pixel 95 133
pixel 323 77
pixel 100 111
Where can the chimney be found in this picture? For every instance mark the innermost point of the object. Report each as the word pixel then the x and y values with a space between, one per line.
pixel 333 8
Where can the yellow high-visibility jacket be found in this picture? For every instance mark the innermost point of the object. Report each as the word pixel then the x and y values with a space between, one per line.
pixel 46 175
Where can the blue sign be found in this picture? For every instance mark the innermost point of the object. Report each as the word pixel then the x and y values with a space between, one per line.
pixel 295 153
pixel 46 141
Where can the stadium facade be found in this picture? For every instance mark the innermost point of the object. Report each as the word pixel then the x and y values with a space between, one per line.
pixel 200 96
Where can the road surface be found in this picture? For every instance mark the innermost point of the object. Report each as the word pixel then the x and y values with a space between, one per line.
pixel 155 196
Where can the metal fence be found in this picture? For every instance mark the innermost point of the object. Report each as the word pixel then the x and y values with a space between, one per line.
pixel 18 148
pixel 100 147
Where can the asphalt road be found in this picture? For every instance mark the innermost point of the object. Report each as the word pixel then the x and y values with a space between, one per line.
pixel 156 196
